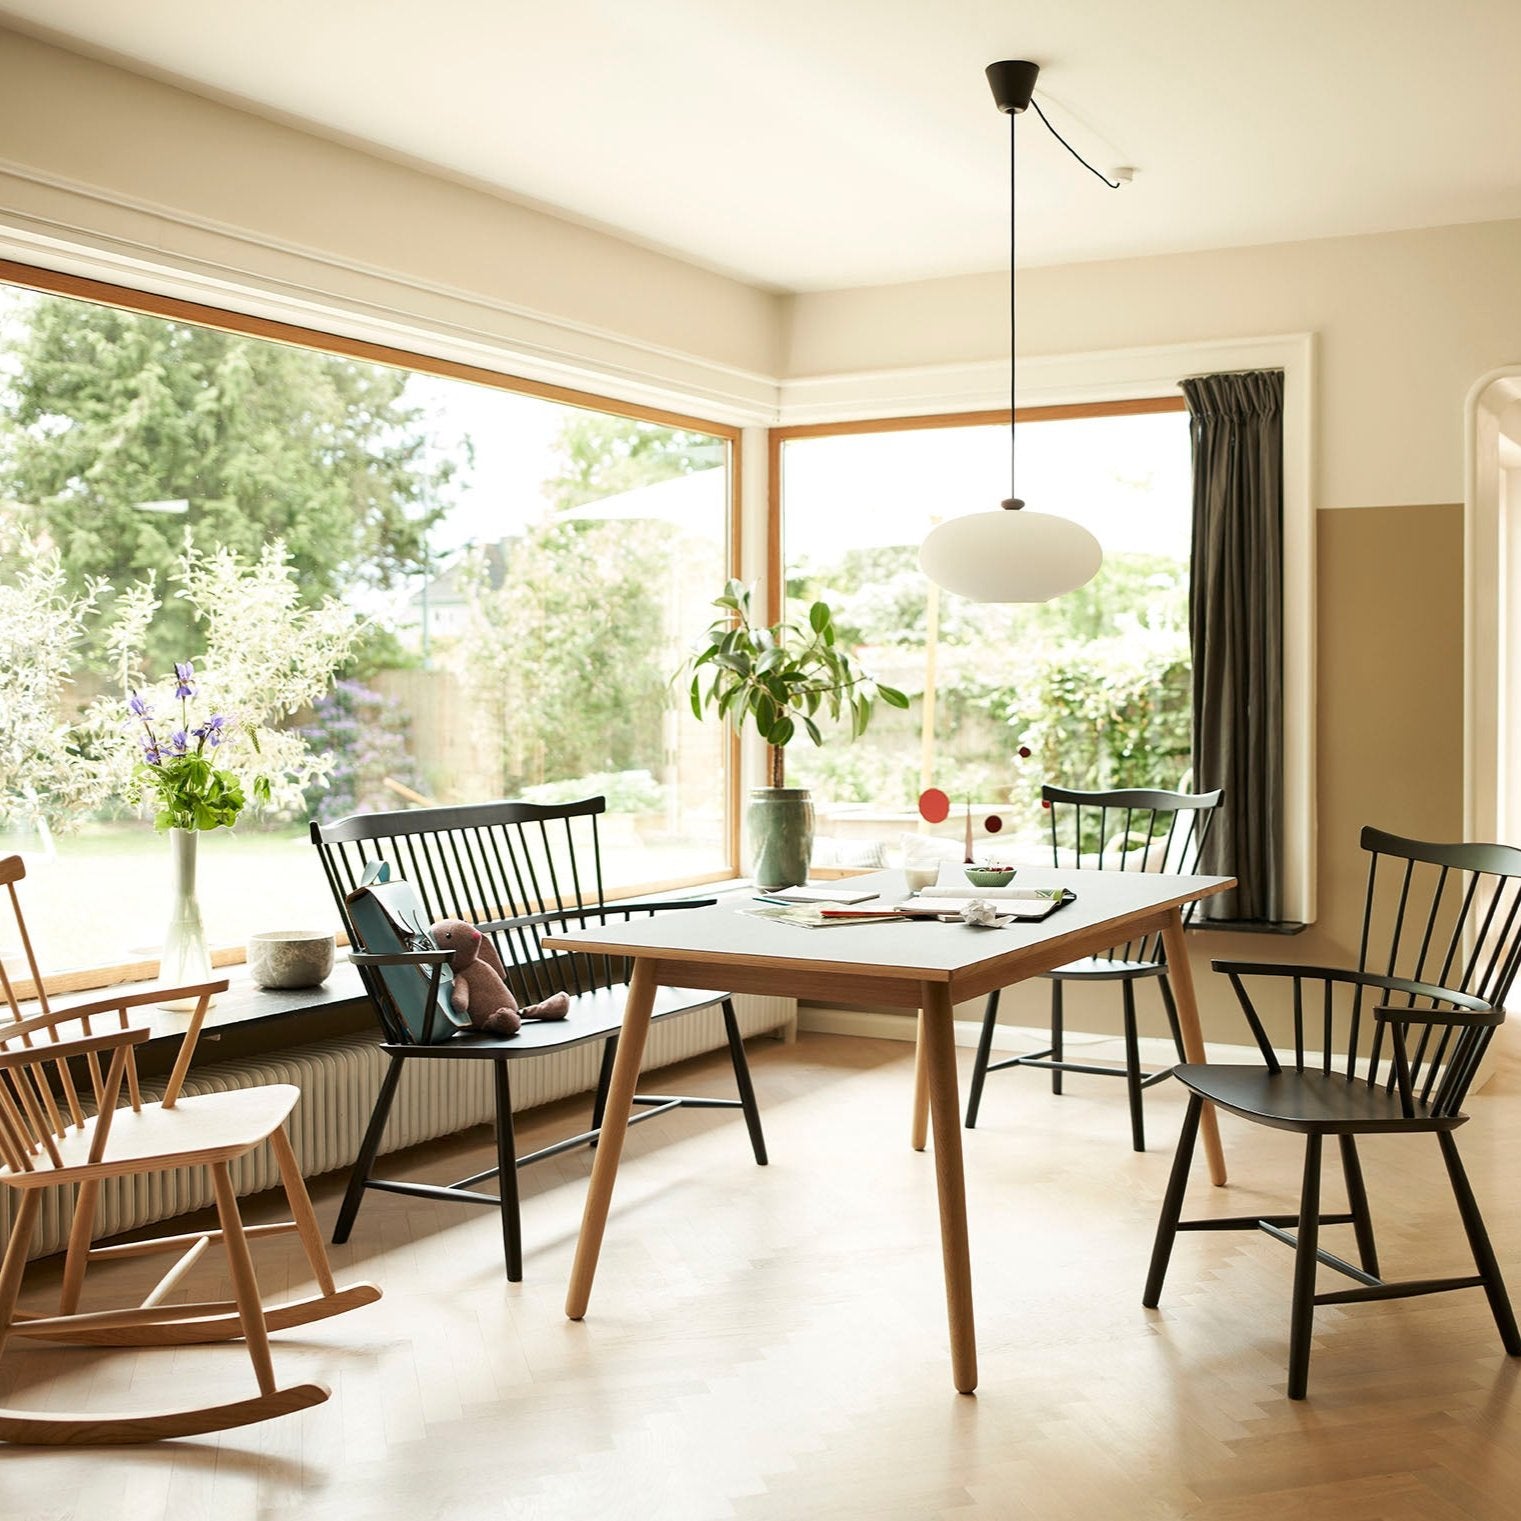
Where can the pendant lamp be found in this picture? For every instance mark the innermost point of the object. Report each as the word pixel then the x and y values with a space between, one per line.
pixel 1011 555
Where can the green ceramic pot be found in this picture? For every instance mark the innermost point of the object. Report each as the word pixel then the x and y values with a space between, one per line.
pixel 780 821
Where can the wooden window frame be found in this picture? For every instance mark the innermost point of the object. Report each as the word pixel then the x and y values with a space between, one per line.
pixel 51 282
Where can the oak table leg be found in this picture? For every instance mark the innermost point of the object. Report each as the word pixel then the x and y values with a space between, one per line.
pixel 937 1042
pixel 920 1126
pixel 1181 975
pixel 620 1101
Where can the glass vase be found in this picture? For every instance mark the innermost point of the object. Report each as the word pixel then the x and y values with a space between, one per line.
pixel 185 958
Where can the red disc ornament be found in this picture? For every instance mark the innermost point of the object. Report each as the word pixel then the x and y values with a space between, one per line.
pixel 934 806
pixel 992 823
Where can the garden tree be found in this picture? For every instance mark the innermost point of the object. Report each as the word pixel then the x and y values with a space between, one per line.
pixel 600 456
pixel 104 410
pixel 567 656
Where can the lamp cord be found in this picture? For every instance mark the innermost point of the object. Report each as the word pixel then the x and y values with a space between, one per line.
pixel 1013 318
pixel 1112 184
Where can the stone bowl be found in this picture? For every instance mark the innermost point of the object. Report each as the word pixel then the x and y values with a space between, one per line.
pixel 290 958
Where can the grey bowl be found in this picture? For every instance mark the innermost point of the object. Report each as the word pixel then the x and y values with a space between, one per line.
pixel 290 958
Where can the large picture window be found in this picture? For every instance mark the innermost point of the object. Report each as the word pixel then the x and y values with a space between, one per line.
pixel 1090 690
pixel 525 574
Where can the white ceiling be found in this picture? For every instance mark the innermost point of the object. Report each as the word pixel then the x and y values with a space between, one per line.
pixel 809 144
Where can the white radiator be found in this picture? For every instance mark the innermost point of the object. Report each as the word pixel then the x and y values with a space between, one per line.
pixel 339 1079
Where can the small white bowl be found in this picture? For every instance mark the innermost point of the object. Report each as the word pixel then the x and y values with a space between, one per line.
pixel 290 958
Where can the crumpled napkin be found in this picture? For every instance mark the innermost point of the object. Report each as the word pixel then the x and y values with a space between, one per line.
pixel 982 912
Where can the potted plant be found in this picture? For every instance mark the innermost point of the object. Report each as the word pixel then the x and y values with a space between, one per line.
pixel 783 678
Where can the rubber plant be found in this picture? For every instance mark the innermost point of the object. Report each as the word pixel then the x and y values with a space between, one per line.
pixel 782 677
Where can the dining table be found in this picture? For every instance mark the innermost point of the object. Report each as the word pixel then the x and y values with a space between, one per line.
pixel 927 965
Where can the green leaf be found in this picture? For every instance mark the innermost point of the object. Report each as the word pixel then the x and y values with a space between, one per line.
pixel 819 617
pixel 697 697
pixel 813 731
pixel 782 731
pixel 892 696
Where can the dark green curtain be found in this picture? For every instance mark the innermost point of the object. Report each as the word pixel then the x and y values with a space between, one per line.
pixel 1235 618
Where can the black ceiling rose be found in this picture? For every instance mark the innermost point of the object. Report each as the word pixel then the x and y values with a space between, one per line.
pixel 1013 83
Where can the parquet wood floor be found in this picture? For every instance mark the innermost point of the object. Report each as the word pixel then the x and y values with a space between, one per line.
pixel 770 1343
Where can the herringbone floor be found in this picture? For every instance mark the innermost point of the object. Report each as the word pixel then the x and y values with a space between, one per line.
pixel 771 1343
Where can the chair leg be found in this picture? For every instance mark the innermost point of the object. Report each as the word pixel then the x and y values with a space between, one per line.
pixel 1133 1070
pixel 1170 1004
pixel 604 1082
pixel 742 1082
pixel 1478 1243
pixel 1056 1033
pixel 14 1264
pixel 1302 1317
pixel 245 1286
pixel 507 1167
pixel 984 1055
pixel 1357 1198
pixel 81 1229
pixel 1172 1203
pixel 301 1210
pixel 364 1163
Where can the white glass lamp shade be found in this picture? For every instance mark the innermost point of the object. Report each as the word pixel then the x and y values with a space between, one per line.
pixel 1010 556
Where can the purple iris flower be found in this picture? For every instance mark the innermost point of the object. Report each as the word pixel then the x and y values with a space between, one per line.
pixel 151 753
pixel 184 674
pixel 211 730
pixel 140 707
pixel 180 740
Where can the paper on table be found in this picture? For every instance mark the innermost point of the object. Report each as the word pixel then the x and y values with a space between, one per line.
pixel 966 890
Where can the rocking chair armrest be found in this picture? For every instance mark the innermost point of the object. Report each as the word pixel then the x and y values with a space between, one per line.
pixel 114 1003
pixel 133 1035
pixel 400 958
pixel 1459 1019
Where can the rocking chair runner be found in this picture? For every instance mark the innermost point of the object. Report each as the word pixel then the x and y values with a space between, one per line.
pixel 60 1124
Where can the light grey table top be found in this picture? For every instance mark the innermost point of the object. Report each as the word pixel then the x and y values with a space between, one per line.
pixel 926 951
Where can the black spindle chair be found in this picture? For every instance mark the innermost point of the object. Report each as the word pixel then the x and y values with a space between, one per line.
pixel 1135 829
pixel 517 871
pixel 1441 945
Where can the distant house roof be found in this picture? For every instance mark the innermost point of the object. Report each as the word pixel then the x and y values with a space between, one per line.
pixel 447 588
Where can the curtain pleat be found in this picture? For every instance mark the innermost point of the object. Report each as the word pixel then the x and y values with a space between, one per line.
pixel 1235 617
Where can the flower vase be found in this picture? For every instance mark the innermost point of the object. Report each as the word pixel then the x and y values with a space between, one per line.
pixel 185 959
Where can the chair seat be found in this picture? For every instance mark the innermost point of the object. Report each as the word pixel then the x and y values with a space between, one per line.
pixel 1307 1102
pixel 1098 969
pixel 592 1016
pixel 205 1127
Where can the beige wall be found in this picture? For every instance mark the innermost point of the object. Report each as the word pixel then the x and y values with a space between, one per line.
pixel 1404 324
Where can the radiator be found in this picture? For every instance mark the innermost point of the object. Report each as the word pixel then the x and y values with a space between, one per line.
pixel 339 1079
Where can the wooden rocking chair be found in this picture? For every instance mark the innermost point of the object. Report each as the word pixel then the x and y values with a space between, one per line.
pixel 59 1124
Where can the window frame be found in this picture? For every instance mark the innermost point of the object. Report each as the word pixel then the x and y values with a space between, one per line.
pixel 53 282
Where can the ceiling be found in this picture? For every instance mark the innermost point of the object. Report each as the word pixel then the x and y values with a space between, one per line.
pixel 811 144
